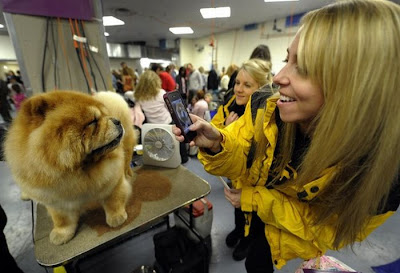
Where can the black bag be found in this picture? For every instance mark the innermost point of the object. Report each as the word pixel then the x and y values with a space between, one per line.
pixel 176 253
pixel 3 132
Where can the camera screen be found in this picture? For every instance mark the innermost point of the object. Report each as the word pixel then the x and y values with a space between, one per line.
pixel 182 115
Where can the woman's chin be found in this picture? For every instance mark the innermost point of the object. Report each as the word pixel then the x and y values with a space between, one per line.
pixel 241 101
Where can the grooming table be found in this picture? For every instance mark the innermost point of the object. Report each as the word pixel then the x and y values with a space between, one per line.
pixel 186 188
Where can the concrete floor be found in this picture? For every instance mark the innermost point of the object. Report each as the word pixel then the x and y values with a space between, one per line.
pixel 381 247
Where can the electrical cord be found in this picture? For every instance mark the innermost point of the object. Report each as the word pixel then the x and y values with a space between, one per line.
pixel 86 52
pixel 44 54
pixel 94 60
pixel 82 55
pixel 78 54
pixel 62 42
pixel 55 55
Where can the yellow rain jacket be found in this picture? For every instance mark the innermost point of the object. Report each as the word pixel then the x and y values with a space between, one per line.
pixel 223 111
pixel 286 213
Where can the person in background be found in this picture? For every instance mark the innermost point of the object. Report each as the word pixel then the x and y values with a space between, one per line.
pixel 225 78
pixel 14 82
pixel 260 52
pixel 202 102
pixel 213 82
pixel 171 70
pixel 204 75
pixel 19 77
pixel 117 82
pixel 18 97
pixel 127 80
pixel 149 95
pixel 195 81
pixel 137 76
pixel 167 82
pixel 10 74
pixel 114 80
pixel 8 262
pixel 319 161
pixel 130 72
pixel 191 104
pixel 4 104
pixel 253 75
pixel 181 83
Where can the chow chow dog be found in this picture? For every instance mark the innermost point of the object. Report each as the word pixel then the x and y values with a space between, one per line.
pixel 70 152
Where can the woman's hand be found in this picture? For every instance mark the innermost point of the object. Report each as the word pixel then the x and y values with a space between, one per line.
pixel 233 196
pixel 231 118
pixel 207 136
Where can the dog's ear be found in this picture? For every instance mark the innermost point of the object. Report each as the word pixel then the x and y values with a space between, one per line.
pixel 36 108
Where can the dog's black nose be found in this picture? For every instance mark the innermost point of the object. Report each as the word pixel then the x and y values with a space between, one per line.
pixel 116 121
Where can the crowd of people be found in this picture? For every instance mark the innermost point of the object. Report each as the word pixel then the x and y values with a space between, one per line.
pixel 193 84
pixel 204 92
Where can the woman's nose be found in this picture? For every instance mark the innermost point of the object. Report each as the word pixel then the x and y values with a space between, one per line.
pixel 281 78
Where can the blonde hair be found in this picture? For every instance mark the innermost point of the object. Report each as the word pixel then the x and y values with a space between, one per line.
pixel 259 70
pixel 148 87
pixel 351 50
pixel 232 68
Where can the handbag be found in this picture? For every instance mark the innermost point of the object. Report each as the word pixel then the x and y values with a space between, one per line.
pixel 176 253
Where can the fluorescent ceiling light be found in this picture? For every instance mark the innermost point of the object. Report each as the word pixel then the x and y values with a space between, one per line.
pixel 112 21
pixel 145 62
pixel 106 34
pixel 181 30
pixel 221 12
pixel 1 26
pixel 270 1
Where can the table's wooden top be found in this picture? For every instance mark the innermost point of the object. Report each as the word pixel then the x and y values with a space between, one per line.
pixel 186 187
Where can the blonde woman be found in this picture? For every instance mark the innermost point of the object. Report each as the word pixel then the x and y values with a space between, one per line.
pixel 149 95
pixel 251 76
pixel 319 162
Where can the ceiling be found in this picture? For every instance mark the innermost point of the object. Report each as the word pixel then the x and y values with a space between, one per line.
pixel 149 20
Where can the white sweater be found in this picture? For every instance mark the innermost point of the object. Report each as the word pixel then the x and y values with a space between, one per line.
pixel 155 110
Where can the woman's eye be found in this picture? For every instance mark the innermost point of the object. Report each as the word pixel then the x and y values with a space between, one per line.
pixel 285 60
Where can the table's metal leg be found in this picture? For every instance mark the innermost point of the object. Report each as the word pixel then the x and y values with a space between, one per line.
pixel 72 267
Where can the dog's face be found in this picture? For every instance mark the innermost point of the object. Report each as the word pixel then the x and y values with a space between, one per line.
pixel 72 129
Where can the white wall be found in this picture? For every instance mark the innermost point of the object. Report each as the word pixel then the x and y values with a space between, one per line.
pixel 6 48
pixel 235 46
pixel 6 66
pixel 186 51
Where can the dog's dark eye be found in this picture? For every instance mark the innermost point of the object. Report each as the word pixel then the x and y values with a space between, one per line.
pixel 93 122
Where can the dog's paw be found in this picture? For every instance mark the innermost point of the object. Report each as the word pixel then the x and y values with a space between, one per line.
pixel 59 236
pixel 25 197
pixel 116 219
